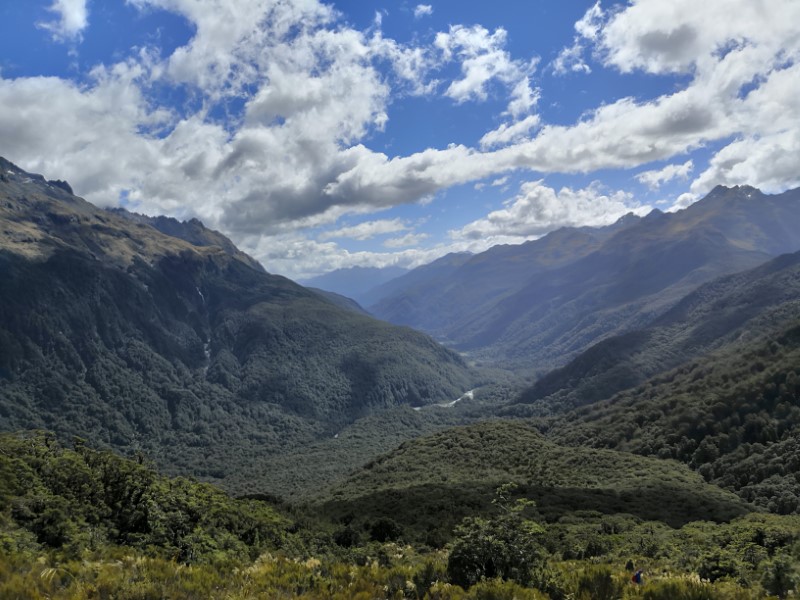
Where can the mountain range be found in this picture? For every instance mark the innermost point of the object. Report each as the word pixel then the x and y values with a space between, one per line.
pixel 675 340
pixel 727 312
pixel 536 305
pixel 354 282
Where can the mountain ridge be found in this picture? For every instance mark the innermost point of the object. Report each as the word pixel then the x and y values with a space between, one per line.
pixel 550 311
pixel 113 330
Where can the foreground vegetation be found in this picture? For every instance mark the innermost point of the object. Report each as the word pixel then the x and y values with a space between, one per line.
pixel 77 523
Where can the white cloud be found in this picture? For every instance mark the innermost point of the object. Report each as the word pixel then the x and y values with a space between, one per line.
pixel 570 59
pixel 500 182
pixel 683 201
pixel 422 10
pixel 406 241
pixel 484 59
pixel 591 23
pixel 771 163
pixel 510 133
pixel 365 230
pixel 654 179
pixel 298 156
pixel 684 35
pixel 72 19
pixel 411 64
pixel 538 209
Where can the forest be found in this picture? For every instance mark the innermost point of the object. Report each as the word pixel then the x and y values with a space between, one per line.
pixel 80 523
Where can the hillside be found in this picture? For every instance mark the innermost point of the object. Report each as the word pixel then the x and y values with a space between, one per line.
pixel 725 312
pixel 187 350
pixel 731 415
pixel 416 282
pixel 429 484
pixel 76 499
pixel 573 288
pixel 437 296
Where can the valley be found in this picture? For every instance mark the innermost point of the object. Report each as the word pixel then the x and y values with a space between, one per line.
pixel 625 397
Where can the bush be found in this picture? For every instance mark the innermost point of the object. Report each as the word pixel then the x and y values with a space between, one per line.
pixel 506 547
pixel 598 584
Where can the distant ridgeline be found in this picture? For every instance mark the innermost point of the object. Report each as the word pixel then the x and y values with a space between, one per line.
pixel 151 334
pixel 538 304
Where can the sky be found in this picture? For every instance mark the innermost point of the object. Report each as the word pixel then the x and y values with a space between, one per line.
pixel 328 135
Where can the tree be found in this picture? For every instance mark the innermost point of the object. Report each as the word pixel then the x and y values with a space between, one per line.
pixel 506 546
pixel 780 576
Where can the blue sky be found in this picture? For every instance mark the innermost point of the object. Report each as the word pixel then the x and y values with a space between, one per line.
pixel 373 133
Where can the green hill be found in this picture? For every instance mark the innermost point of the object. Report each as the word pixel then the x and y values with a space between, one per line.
pixel 429 484
pixel 76 500
pixel 77 523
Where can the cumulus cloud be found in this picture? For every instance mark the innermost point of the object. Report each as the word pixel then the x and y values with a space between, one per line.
pixel 297 156
pixel 571 58
pixel 72 18
pixel 510 133
pixel 484 59
pixel 771 163
pixel 656 178
pixel 688 37
pixel 538 209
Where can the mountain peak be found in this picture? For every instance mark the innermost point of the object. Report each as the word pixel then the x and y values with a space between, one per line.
pixel 736 190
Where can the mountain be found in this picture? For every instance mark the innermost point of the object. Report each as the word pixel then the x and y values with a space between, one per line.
pixel 726 311
pixel 179 345
pixel 192 231
pixel 420 278
pixel 340 301
pixel 354 282
pixel 437 296
pixel 576 287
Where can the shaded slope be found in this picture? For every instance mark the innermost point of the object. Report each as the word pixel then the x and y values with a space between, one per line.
pixel 404 291
pixel 732 415
pixel 717 313
pixel 112 330
pixel 437 296
pixel 340 301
